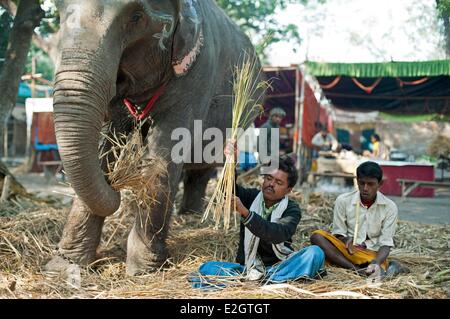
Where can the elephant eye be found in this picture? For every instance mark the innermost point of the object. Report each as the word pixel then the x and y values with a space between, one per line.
pixel 136 17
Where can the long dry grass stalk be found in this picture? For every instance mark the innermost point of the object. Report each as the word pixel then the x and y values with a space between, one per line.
pixel 247 91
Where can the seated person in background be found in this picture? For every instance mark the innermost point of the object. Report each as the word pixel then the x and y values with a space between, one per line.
pixel 364 224
pixel 268 221
pixel 379 149
pixel 324 141
pixel 276 116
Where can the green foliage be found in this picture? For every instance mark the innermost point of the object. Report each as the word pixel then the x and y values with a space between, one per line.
pixel 48 26
pixel 443 7
pixel 44 63
pixel 257 18
pixel 50 23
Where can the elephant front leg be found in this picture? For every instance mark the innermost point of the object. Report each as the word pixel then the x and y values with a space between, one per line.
pixel 80 238
pixel 146 246
pixel 83 229
pixel 81 234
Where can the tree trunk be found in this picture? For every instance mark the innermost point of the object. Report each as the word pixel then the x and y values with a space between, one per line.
pixel 48 45
pixel 446 17
pixel 29 15
pixel 444 12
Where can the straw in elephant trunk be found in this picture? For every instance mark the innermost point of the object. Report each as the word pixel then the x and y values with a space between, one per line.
pixel 132 168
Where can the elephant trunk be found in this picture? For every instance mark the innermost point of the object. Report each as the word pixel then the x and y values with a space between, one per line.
pixel 82 93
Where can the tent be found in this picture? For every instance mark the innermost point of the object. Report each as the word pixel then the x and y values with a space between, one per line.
pixel 286 92
pixel 295 94
pixel 393 87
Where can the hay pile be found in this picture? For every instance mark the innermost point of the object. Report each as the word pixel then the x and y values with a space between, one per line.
pixel 14 196
pixel 28 239
pixel 439 146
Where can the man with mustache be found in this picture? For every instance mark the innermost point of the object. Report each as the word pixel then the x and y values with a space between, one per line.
pixel 364 225
pixel 268 222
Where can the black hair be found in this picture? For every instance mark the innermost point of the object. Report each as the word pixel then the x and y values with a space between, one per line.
pixel 321 127
pixel 377 137
pixel 370 169
pixel 287 165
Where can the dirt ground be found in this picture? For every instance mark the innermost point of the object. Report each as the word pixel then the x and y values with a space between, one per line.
pixel 36 183
pixel 434 210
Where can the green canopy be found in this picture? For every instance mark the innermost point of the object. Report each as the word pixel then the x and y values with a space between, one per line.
pixel 402 88
pixel 375 70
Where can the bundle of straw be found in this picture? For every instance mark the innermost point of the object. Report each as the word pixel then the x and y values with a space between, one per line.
pixel 439 146
pixel 247 92
pixel 132 169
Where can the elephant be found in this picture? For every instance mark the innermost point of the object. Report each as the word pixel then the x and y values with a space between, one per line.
pixel 178 54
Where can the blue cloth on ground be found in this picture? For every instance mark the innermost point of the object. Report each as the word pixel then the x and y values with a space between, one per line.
pixel 216 269
pixel 306 263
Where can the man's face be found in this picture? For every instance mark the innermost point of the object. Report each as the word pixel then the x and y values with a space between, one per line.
pixel 324 133
pixel 275 185
pixel 276 118
pixel 368 187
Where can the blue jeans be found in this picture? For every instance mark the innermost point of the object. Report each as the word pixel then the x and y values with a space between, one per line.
pixel 306 263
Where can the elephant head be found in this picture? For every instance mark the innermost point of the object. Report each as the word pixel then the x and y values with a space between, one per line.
pixel 110 50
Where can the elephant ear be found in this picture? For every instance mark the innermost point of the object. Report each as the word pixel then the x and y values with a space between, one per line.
pixel 188 37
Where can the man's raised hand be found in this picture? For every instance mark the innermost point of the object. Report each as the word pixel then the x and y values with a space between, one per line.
pixel 231 149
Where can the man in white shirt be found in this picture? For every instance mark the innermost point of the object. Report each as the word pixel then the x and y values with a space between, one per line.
pixel 324 141
pixel 364 225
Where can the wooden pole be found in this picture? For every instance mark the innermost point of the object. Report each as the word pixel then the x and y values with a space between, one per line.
pixel 33 80
pixel 296 108
pixel 301 103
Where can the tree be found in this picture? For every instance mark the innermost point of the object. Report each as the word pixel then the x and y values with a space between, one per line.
pixel 6 22
pixel 257 18
pixel 443 7
pixel 44 37
pixel 28 17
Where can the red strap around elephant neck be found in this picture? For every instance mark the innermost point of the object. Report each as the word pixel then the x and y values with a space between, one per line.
pixel 140 115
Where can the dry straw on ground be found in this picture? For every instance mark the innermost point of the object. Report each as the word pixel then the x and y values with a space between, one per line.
pixel 245 88
pixel 13 196
pixel 28 239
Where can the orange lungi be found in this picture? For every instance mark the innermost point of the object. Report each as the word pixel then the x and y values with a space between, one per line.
pixel 360 255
